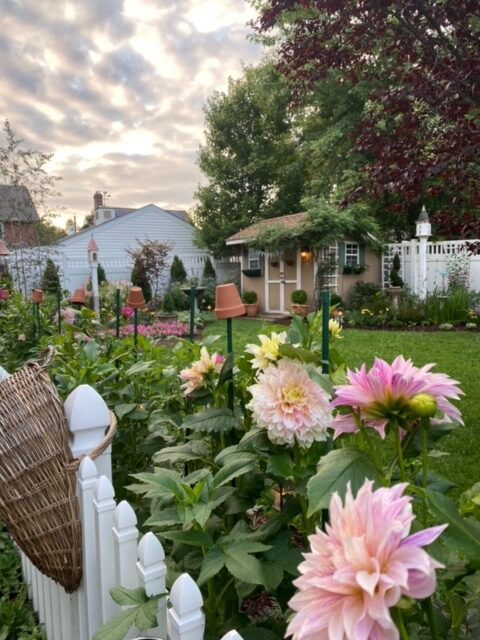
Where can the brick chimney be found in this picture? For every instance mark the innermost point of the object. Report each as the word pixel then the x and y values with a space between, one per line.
pixel 97 200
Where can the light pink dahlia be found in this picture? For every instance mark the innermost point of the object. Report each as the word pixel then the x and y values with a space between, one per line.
pixel 287 403
pixel 386 391
pixel 361 567
pixel 202 370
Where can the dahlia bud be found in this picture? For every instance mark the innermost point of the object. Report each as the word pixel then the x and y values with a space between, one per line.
pixel 423 405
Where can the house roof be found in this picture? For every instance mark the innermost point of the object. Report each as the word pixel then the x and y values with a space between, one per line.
pixel 290 221
pixel 16 204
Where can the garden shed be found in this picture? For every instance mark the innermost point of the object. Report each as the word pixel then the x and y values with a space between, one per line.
pixel 303 264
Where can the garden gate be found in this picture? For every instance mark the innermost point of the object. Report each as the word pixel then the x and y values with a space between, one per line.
pixel 112 555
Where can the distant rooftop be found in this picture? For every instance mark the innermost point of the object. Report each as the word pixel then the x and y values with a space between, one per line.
pixel 16 204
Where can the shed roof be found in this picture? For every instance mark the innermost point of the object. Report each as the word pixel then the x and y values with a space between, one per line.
pixel 16 204
pixel 290 221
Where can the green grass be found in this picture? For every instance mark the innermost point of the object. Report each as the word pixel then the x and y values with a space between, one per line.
pixel 456 354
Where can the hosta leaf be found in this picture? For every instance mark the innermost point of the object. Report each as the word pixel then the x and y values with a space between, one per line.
pixel 212 419
pixel 334 472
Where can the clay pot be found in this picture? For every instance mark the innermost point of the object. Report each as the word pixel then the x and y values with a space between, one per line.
pixel 135 298
pixel 228 303
pixel 78 296
pixel 251 309
pixel 37 296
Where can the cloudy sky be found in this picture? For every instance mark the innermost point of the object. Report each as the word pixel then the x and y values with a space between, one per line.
pixel 116 90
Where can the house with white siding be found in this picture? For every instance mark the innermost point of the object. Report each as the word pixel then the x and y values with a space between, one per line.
pixel 115 234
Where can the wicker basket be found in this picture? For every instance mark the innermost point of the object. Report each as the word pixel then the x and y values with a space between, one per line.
pixel 37 475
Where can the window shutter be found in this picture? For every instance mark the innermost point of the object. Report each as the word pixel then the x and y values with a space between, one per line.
pixel 361 254
pixel 341 254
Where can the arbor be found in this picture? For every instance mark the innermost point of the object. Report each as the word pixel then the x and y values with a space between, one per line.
pixel 420 62
pixel 250 158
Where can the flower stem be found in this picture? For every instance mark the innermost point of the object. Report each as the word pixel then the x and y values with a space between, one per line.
pixel 398 619
pixel 401 463
pixel 431 619
pixel 424 427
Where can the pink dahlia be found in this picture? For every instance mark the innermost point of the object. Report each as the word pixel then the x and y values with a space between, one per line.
pixel 361 567
pixel 390 392
pixel 290 405
pixel 201 371
pixel 127 312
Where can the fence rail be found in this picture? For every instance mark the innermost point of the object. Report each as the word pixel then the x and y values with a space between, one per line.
pixel 112 553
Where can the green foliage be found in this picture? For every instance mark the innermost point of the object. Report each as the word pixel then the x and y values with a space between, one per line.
pixel 451 308
pixel 140 279
pixel 50 279
pixel 366 294
pixel 299 296
pixel 102 276
pixel 208 271
pixel 138 611
pixel 177 271
pixel 395 278
pixel 206 298
pixel 249 297
pixel 168 302
pixel 175 299
pixel 250 158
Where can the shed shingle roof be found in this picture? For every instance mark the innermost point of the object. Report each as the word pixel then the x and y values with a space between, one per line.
pixel 16 204
pixel 291 221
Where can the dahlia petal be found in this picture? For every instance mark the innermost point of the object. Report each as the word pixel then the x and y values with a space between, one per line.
pixel 426 536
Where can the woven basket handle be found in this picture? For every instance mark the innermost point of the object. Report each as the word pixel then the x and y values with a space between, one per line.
pixel 100 448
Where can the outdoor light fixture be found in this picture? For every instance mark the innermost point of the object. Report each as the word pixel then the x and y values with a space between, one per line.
pixel 306 255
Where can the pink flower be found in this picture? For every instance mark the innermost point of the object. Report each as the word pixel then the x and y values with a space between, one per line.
pixel 68 315
pixel 383 393
pixel 3 294
pixel 127 312
pixel 201 371
pixel 361 567
pixel 287 403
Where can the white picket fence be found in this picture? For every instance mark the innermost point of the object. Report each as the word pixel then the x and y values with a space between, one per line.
pixel 112 553
pixel 438 255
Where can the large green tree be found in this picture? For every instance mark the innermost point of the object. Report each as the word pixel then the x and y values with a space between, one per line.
pixel 250 158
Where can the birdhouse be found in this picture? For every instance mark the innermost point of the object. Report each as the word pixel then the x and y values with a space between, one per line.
pixel 92 250
pixel 424 228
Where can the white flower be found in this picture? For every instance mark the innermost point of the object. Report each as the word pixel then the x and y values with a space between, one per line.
pixel 267 351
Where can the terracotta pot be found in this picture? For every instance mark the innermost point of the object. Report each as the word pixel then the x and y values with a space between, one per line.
pixel 299 309
pixel 228 303
pixel 37 296
pixel 251 309
pixel 78 296
pixel 135 298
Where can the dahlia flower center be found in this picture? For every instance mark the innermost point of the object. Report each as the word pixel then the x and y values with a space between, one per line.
pixel 293 395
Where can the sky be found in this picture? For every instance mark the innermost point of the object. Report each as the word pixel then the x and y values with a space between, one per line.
pixel 115 89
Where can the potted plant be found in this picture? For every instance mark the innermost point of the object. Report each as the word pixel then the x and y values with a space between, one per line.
pixel 299 302
pixel 396 282
pixel 250 300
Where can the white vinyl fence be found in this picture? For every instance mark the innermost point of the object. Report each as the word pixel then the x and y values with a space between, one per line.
pixel 438 255
pixel 112 553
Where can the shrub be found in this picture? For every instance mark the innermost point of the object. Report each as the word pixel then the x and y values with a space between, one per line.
pixel 208 270
pixel 177 270
pixel 249 297
pixel 336 300
pixel 395 278
pixel 367 294
pixel 51 279
pixel 102 276
pixel 299 296
pixel 168 303
pixel 206 298
pixel 458 269
pixel 140 279
pixel 176 297
pixel 452 308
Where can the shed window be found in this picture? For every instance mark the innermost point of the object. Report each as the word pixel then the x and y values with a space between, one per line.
pixel 253 259
pixel 352 253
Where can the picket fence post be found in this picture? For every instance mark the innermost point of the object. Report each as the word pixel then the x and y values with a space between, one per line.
pixel 152 570
pixel 104 507
pixel 125 537
pixel 186 620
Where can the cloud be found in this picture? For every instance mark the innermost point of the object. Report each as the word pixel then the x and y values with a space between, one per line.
pixel 116 89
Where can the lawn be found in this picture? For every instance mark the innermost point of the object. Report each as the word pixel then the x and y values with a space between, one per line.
pixel 456 353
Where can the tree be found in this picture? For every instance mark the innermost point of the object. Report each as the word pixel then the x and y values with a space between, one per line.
pixel 420 61
pixel 51 279
pixel 150 260
pixel 88 221
pixel 250 158
pixel 208 270
pixel 48 233
pixel 177 270
pixel 102 276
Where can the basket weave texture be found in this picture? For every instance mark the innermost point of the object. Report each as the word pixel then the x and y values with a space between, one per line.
pixel 37 489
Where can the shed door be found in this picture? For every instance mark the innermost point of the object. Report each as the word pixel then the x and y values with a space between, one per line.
pixel 282 278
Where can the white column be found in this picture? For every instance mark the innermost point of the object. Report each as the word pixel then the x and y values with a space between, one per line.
pixel 422 267
pixel 96 296
pixel 413 266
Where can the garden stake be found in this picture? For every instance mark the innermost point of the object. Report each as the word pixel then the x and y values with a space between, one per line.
pixel 193 295
pixel 230 351
pixel 59 301
pixel 135 330
pixel 117 313
pixel 325 331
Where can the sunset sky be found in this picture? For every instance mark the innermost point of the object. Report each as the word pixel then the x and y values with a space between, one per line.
pixel 116 90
